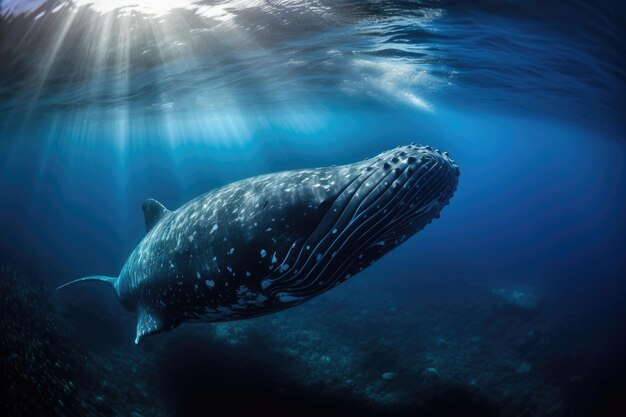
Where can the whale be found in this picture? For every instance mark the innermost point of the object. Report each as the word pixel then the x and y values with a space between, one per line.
pixel 271 242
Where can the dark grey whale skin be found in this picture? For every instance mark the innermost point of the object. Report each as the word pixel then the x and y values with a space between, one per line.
pixel 270 242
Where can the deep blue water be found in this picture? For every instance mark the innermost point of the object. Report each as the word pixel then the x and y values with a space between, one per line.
pixel 101 109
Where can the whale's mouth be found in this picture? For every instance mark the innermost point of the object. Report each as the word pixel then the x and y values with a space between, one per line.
pixel 396 194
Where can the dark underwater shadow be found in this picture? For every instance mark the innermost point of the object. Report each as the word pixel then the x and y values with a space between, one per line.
pixel 455 400
pixel 97 322
pixel 199 377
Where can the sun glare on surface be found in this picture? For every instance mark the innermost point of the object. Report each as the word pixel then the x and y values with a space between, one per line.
pixel 227 68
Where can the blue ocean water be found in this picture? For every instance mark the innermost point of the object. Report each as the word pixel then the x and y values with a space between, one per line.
pixel 510 304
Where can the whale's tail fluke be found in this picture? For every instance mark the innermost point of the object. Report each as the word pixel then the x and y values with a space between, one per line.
pixel 102 278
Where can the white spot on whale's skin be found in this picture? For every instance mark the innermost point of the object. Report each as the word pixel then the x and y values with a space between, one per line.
pixel 231 251
pixel 209 283
pixel 284 267
pixel 265 283
pixel 286 298
pixel 263 253
pixel 213 229
pixel 274 258
pixel 198 275
pixel 248 274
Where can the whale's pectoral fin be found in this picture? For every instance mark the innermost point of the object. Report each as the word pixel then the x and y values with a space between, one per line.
pixel 150 321
pixel 153 212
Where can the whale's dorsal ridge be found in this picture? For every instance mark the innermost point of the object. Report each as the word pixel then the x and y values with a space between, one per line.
pixel 153 212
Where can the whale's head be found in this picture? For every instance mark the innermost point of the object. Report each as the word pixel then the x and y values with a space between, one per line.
pixel 398 193
pixel 385 200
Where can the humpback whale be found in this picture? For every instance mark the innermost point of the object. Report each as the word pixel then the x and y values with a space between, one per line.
pixel 274 241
